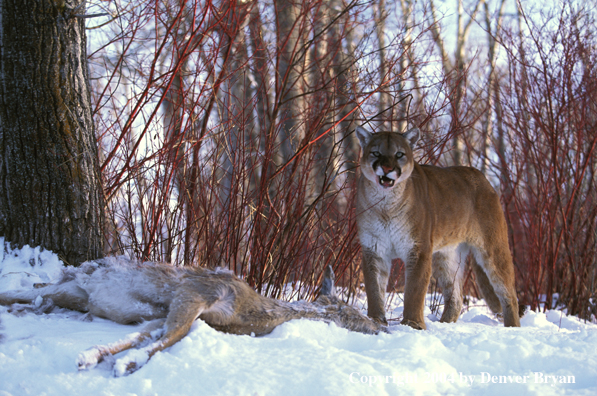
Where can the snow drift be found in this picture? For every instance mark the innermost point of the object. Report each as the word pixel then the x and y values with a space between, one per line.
pixel 551 354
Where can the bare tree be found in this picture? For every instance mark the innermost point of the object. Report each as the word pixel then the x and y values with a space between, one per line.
pixel 454 67
pixel 405 68
pixel 380 27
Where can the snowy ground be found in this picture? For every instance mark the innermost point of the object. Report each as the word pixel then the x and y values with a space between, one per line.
pixel 552 354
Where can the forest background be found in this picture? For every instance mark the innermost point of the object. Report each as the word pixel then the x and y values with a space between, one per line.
pixel 226 129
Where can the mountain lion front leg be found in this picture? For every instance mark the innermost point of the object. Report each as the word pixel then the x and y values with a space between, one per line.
pixel 376 272
pixel 418 274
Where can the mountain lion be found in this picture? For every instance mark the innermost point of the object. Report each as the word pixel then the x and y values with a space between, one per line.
pixel 430 218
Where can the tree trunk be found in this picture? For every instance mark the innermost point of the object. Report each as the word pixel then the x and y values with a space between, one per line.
pixel 51 194
pixel 289 33
pixel 405 69
pixel 492 87
pixel 456 69
pixel 380 27
pixel 237 114
pixel 347 103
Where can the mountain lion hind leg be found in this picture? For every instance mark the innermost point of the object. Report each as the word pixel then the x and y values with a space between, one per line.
pixel 499 271
pixel 448 270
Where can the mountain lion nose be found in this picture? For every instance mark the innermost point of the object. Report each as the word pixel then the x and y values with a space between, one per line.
pixel 387 169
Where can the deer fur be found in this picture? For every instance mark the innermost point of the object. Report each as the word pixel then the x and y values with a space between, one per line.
pixel 172 298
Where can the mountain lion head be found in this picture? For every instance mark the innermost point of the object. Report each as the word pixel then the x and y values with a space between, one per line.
pixel 387 157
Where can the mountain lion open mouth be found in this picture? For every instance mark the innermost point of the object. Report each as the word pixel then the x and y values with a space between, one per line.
pixel 386 182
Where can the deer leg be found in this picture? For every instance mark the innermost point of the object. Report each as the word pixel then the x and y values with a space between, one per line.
pixel 66 295
pixel 328 287
pixel 184 310
pixel 94 355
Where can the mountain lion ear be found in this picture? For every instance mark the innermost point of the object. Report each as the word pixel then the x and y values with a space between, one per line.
pixel 412 136
pixel 363 135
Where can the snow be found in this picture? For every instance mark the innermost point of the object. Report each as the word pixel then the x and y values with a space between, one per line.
pixel 551 354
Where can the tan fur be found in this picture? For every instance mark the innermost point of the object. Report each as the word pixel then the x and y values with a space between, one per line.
pixel 129 292
pixel 431 218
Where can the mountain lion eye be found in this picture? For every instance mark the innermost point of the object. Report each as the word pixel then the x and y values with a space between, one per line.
pixel 399 155
pixel 375 153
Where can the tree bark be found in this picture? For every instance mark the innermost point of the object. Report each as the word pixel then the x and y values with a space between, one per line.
pixel 51 194
pixel 289 33
pixel 380 27
pixel 492 85
pixel 405 69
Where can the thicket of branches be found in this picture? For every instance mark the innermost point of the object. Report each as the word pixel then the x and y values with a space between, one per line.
pixel 226 128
